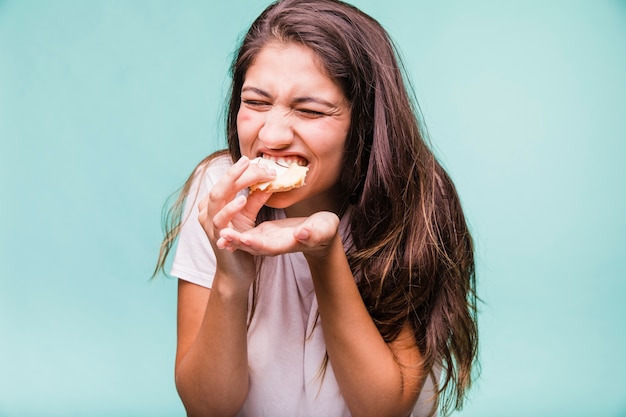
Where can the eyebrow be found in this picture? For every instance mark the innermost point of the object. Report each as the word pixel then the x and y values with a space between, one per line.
pixel 298 100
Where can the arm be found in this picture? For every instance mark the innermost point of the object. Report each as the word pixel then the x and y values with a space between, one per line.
pixel 375 378
pixel 211 357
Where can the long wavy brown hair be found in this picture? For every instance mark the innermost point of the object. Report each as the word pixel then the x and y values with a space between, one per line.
pixel 413 251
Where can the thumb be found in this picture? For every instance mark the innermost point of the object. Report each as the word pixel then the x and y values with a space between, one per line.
pixel 302 234
pixel 318 229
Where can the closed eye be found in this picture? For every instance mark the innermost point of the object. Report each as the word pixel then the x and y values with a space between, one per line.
pixel 310 113
pixel 258 105
pixel 255 103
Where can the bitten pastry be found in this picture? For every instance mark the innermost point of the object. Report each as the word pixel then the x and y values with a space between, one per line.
pixel 288 175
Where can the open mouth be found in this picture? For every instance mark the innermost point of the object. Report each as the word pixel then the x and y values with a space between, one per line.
pixel 286 161
pixel 290 173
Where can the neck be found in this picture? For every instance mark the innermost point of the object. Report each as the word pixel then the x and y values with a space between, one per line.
pixel 328 202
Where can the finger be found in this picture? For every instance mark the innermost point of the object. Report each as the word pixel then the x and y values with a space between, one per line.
pixel 256 200
pixel 202 207
pixel 258 243
pixel 318 229
pixel 225 215
pixel 239 176
pixel 225 244
pixel 225 189
pixel 255 174
pixel 203 215
pixel 231 240
pixel 302 234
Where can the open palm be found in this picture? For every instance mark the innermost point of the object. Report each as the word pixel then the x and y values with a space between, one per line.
pixel 299 234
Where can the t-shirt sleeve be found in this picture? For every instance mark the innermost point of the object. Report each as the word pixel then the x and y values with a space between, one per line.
pixel 194 260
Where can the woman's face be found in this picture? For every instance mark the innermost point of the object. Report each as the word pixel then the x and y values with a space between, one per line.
pixel 292 111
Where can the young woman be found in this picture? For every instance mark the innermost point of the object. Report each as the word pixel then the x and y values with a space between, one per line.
pixel 353 295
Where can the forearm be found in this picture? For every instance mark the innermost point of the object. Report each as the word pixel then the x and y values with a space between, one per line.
pixel 371 380
pixel 212 377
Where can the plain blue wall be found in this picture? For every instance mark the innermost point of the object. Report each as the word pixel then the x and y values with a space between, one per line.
pixel 105 107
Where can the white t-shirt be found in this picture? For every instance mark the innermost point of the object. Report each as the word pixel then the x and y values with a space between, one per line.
pixel 286 347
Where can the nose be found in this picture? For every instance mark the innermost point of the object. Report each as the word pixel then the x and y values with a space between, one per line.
pixel 276 132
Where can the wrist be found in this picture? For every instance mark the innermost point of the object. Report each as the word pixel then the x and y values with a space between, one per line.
pixel 230 289
pixel 326 253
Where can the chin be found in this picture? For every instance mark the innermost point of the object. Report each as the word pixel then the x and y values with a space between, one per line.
pixel 282 200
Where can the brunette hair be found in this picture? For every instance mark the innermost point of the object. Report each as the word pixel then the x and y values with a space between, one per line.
pixel 413 252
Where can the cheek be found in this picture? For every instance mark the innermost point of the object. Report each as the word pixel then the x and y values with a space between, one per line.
pixel 330 145
pixel 243 119
pixel 330 152
pixel 245 125
pixel 334 166
pixel 243 115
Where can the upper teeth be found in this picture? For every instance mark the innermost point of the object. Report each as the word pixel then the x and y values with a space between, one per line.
pixel 286 161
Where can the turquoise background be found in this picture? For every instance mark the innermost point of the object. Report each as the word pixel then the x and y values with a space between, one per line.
pixel 106 106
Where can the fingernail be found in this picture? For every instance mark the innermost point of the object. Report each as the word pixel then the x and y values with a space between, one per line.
pixel 302 234
pixel 240 200
pixel 242 161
